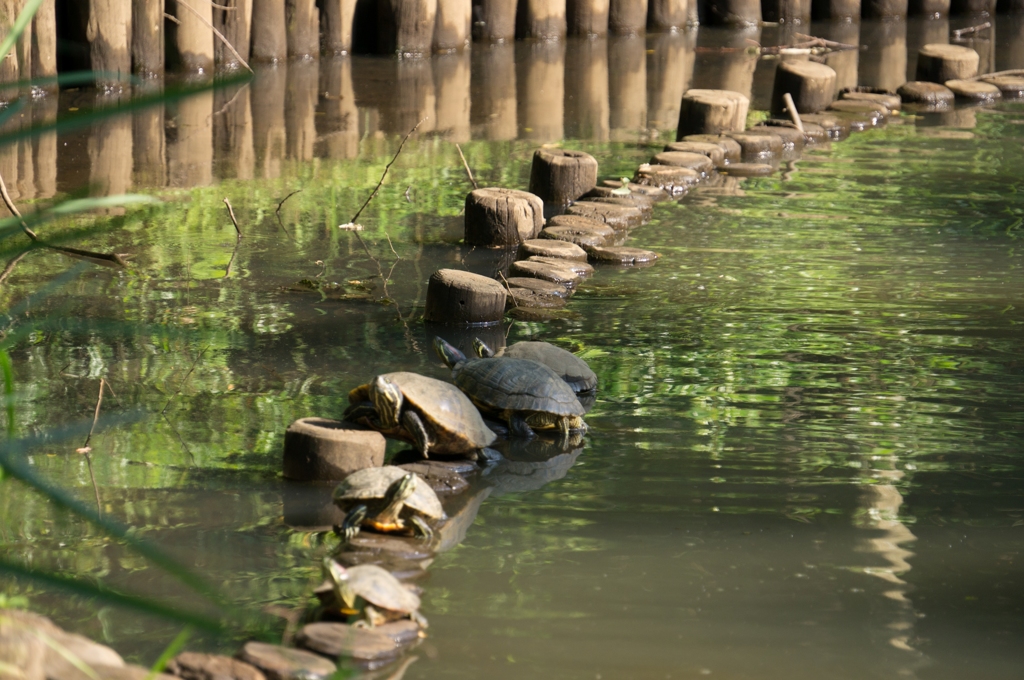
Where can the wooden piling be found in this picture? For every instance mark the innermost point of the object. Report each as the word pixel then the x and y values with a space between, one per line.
pixel 493 91
pixel 1010 39
pixel 883 59
pixel 452 26
pixel 812 86
pixel 269 31
pixel 462 298
pixel 669 75
pixel 627 17
pixel 195 35
pixel 9 66
pixel 337 26
pixel 734 12
pixel 843 62
pixel 787 11
pixel 587 17
pixel 709 112
pixel 560 177
pixel 406 27
pixel 627 86
pixel 235 24
pixel 303 32
pixel 541 19
pixel 148 38
pixel 668 15
pixel 44 43
pixel 494 21
pixel 540 88
pixel 884 9
pixel 938 63
pixel 452 84
pixel 930 9
pixel 109 35
pixel 586 89
pixel 502 218
pixel 836 10
pixel 317 449
pixel 341 115
pixel 301 98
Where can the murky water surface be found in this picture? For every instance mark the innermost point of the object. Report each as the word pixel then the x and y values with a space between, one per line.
pixel 805 458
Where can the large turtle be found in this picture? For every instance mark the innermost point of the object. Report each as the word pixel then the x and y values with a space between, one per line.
pixel 387 499
pixel 434 415
pixel 526 394
pixel 567 365
pixel 373 593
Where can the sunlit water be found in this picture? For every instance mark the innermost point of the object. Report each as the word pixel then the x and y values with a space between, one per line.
pixel 804 460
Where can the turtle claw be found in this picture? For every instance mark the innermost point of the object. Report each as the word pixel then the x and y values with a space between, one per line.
pixel 420 529
pixel 352 524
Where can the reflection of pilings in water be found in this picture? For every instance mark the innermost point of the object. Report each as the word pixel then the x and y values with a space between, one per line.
pixel 268 131
pixel 884 60
pixel 927 31
pixel 190 157
pixel 45 111
pixel 1010 39
pixel 669 74
pixel 726 70
pixel 300 109
pixel 586 89
pixel 540 84
pixel 415 99
pixel 340 134
pixel 627 84
pixel 110 155
pixel 982 42
pixel 452 81
pixel 844 62
pixel 149 147
pixel 234 156
pixel 882 502
pixel 493 91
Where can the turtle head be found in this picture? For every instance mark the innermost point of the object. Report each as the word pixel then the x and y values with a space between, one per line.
pixel 448 352
pixel 387 399
pixel 481 349
pixel 338 576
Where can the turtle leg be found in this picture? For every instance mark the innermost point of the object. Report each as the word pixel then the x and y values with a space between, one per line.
pixel 413 424
pixel 399 491
pixel 419 619
pixel 421 529
pixel 365 414
pixel 349 528
pixel 517 427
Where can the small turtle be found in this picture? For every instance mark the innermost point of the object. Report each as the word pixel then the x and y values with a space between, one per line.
pixel 434 415
pixel 567 365
pixel 526 394
pixel 387 499
pixel 372 592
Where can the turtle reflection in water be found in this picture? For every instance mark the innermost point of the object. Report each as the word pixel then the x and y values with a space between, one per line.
pixel 434 415
pixel 389 500
pixel 526 394
pixel 372 593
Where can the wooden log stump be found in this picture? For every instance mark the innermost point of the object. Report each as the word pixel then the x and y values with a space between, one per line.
pixel 758 145
pixel 539 286
pixel 733 12
pixel 318 449
pixel 884 9
pixel 453 25
pixel 545 247
pixel 713 151
pixel 303 33
pixel 890 101
pixel 674 181
pixel 938 63
pixel 559 273
pixel 1012 87
pixel 269 31
pixel 789 12
pixel 407 26
pixel 560 177
pixel 729 146
pixel 926 93
pixel 461 298
pixel 704 112
pixel 502 218
pixel 279 663
pixel 494 21
pixel 627 17
pixel 812 86
pixel 338 17
pixel 541 19
pixel 109 35
pixel 577 266
pixel 836 10
pixel 584 233
pixel 44 43
pixel 697 162
pixel 586 17
pixel 977 91
pixel 668 15
pixel 621 255
pixel 235 24
pixel 749 170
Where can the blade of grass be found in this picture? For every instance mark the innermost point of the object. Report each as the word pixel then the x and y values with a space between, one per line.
pixel 172 651
pixel 84 588
pixel 20 24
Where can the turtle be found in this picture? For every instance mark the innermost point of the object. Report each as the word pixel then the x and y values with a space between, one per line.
pixel 432 414
pixel 527 394
pixel 383 597
pixel 387 499
pixel 567 365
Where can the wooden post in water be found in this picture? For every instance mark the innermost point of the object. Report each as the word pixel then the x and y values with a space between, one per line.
pixel 269 31
pixel 734 12
pixel 44 43
pixel 148 38
pixel 8 67
pixel 452 84
pixel 787 11
pixel 149 147
pixel 985 7
pixel 884 9
pixel 586 17
pixel 541 19
pixel 928 31
pixel 627 17
pixel 494 20
pixel 493 88
pixel 453 25
pixel 45 145
pixel 236 25
pixel 194 35
pixel 930 9
pixel 843 62
pixel 303 33
pixel 668 15
pixel 337 25
pixel 109 32
pixel 1010 39
pixel 540 88
pixel 586 89
pixel 669 75
pixel 300 102
pixel 883 64
pixel 836 10
pixel 407 26
pixel 341 116
pixel 627 86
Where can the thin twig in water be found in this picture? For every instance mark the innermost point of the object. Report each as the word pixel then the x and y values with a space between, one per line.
pixel 10 266
pixel 231 212
pixel 173 18
pixel 512 295
pixel 958 33
pixel 86 449
pixel 466 166
pixel 231 101
pixel 14 209
pixel 387 167
pixel 793 113
pixel 185 379
pixel 277 212
pixel 217 33
pixel 191 458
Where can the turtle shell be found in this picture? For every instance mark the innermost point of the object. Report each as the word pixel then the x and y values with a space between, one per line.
pixel 505 384
pixel 378 587
pixel 567 365
pixel 373 483
pixel 454 422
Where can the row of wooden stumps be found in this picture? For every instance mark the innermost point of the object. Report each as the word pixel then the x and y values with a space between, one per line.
pixel 753 12
pixel 589 219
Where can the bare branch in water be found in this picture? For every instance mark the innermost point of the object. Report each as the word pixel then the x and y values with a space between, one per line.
pixel 10 266
pixel 231 212
pixel 509 289
pixel 960 32
pixel 469 172
pixel 387 167
pixel 86 449
pixel 185 379
pixel 277 212
pixel 217 33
